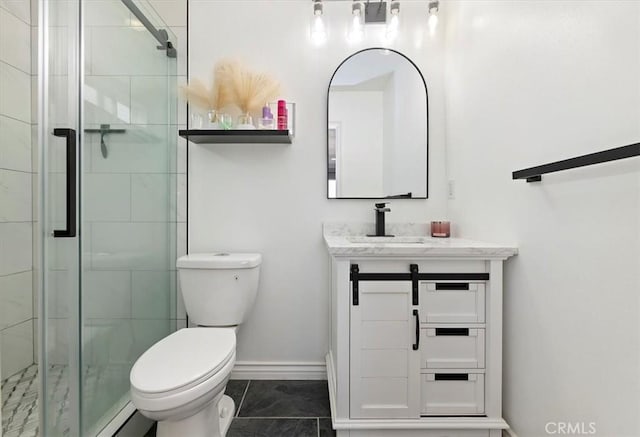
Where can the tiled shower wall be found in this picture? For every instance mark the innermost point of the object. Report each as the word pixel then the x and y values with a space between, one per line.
pixel 17 171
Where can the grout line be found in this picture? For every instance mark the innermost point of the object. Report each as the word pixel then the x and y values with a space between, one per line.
pixel 15 273
pixel 17 324
pixel 246 389
pixel 16 171
pixel 30 123
pixel 4 8
pixel 15 67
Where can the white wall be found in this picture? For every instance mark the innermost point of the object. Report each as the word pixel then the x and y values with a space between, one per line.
pixel 529 83
pixel 16 175
pixel 272 198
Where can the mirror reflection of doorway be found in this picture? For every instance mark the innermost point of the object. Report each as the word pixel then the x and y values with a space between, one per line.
pixel 333 138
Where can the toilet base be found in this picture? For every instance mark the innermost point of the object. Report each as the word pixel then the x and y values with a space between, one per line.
pixel 212 421
pixel 227 409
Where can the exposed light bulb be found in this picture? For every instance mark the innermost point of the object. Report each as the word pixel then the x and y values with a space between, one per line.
pixel 433 16
pixel 318 30
pixel 433 22
pixel 357 31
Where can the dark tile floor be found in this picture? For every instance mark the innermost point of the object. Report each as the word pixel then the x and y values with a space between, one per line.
pixel 279 409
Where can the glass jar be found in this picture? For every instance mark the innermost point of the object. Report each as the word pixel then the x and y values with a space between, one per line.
pixel 245 121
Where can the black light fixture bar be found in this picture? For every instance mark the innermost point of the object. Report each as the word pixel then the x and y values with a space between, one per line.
pixel 534 174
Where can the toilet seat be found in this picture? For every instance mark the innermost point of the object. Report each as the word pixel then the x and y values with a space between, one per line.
pixel 182 367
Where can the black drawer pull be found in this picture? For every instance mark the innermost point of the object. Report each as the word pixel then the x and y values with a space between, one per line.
pixel 452 376
pixel 453 331
pixel 452 286
pixel 416 345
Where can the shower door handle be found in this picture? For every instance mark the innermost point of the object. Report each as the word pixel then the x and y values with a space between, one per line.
pixel 70 135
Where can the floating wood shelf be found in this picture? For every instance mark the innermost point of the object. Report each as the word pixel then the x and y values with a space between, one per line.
pixel 212 136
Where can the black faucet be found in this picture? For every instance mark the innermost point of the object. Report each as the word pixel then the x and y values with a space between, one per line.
pixel 380 210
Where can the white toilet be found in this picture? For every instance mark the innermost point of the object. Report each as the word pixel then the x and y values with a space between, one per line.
pixel 180 380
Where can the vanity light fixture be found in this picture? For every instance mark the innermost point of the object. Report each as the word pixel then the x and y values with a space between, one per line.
pixel 392 26
pixel 357 31
pixel 434 6
pixel 318 29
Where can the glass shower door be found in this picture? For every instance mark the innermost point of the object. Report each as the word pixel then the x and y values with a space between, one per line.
pixel 59 311
pixel 128 239
pixel 108 183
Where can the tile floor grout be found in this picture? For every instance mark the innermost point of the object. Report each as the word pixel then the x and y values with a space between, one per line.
pixel 246 389
pixel 248 419
pixel 257 399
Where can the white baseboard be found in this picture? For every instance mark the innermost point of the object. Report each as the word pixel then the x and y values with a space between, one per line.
pixel 279 370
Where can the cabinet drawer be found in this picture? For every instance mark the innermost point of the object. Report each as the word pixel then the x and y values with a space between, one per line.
pixel 452 302
pixel 452 394
pixel 452 348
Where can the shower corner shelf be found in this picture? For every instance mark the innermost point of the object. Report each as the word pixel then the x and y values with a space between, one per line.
pixel 211 136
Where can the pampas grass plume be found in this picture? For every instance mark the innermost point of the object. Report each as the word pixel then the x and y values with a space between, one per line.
pixel 196 93
pixel 232 82
pixel 249 90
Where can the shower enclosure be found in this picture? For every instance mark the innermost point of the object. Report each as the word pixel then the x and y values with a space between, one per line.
pixel 107 209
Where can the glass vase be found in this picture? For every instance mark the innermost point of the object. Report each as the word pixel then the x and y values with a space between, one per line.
pixel 245 122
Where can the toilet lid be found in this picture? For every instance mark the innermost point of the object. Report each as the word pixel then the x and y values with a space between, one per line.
pixel 182 358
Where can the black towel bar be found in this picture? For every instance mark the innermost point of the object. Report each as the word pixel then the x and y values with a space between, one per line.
pixel 534 174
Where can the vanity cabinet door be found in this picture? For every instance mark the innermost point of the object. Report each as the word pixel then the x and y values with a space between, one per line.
pixel 385 368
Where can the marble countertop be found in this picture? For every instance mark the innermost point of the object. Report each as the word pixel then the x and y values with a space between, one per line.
pixel 345 239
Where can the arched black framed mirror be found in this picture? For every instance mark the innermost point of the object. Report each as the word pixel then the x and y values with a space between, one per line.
pixel 377 128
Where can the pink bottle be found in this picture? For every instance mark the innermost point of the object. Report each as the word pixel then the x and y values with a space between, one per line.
pixel 282 115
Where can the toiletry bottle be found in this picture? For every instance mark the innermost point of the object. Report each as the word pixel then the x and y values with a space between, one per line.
pixel 266 122
pixel 282 115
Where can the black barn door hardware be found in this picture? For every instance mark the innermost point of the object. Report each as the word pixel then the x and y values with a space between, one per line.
pixel 414 276
pixel 354 283
pixel 413 268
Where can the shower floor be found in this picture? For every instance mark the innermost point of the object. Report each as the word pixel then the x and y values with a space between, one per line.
pixel 20 414
pixel 20 401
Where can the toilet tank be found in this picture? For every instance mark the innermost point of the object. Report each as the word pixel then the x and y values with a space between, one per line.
pixel 219 289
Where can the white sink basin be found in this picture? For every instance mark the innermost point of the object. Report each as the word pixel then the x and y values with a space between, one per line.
pixel 387 240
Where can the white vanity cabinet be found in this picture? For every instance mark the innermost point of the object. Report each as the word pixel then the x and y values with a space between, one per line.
pixel 416 339
pixel 385 362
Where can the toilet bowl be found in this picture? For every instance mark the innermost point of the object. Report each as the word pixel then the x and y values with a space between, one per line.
pixel 180 381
